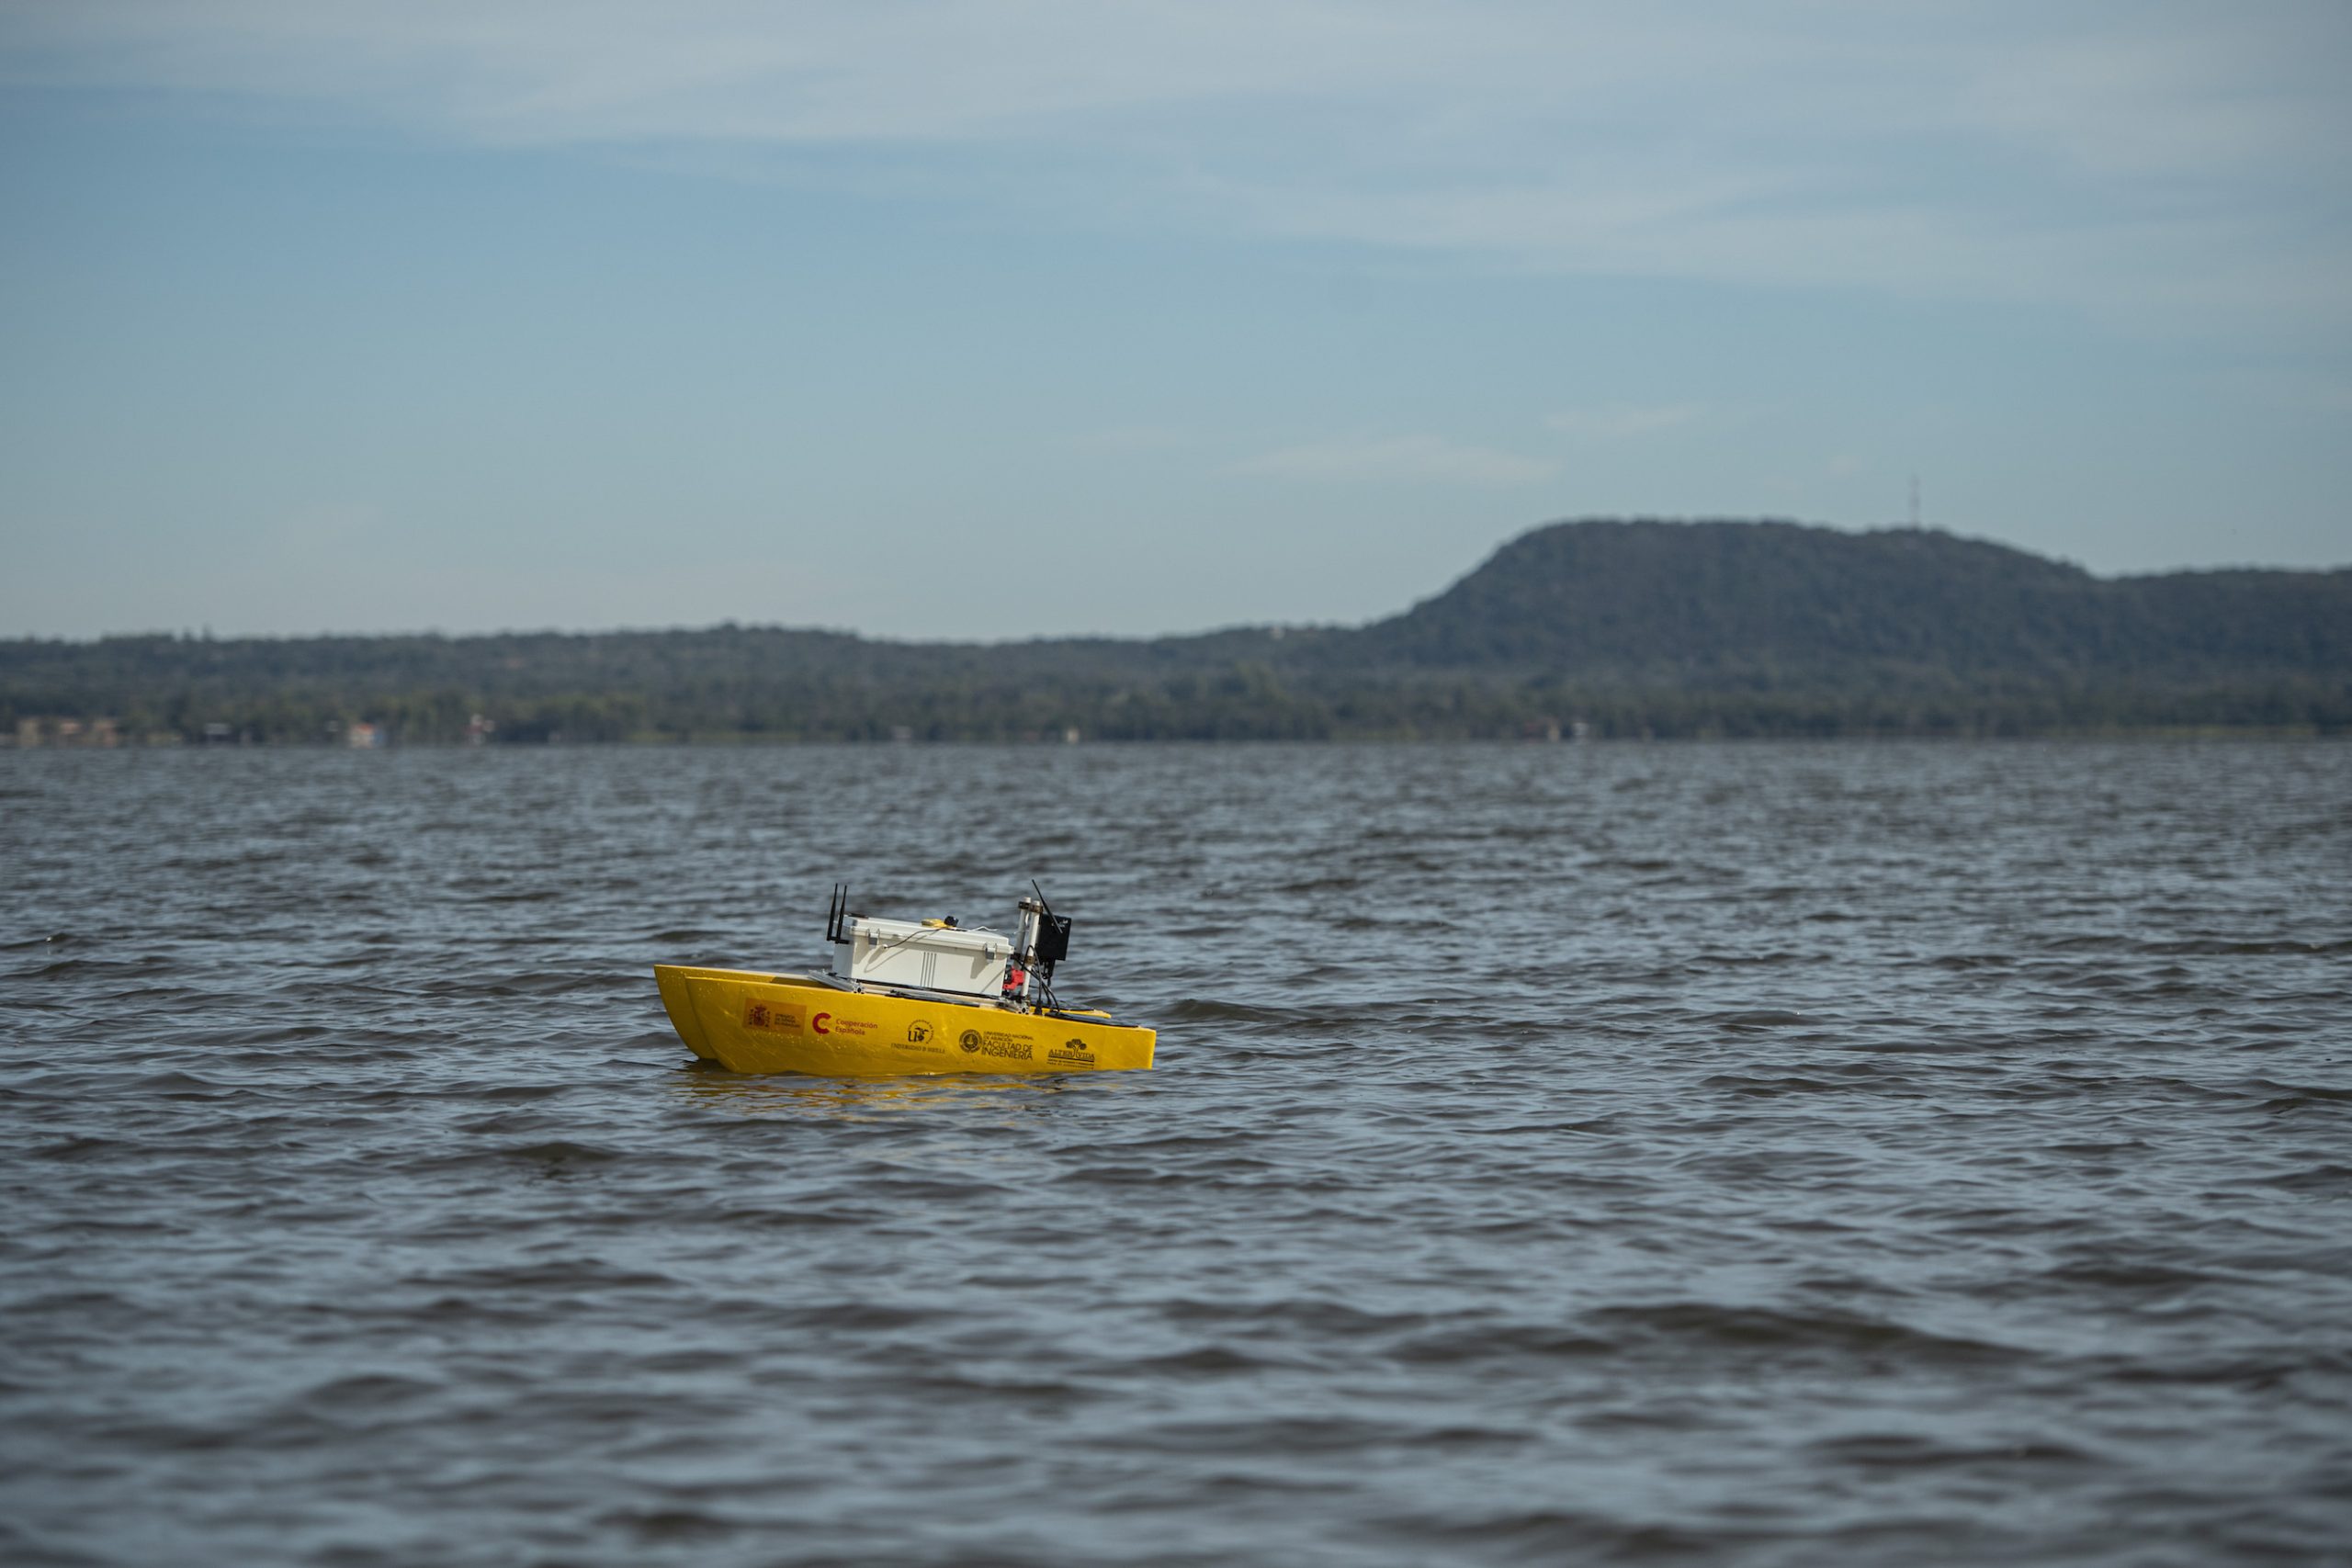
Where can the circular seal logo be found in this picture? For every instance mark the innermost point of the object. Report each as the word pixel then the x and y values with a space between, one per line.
pixel 918 1032
pixel 971 1040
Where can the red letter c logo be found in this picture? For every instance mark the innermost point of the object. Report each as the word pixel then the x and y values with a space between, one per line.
pixel 817 1023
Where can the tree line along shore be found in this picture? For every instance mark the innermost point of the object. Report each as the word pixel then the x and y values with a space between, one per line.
pixel 1594 630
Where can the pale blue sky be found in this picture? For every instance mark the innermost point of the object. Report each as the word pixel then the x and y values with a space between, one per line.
pixel 997 320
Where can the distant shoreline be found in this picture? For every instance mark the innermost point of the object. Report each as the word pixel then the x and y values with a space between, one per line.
pixel 1599 629
pixel 2150 735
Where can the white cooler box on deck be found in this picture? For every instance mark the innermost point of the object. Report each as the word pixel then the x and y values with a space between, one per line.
pixel 932 958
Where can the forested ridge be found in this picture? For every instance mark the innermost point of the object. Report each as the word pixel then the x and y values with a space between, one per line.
pixel 1599 627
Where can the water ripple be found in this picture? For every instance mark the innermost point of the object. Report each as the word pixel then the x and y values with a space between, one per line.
pixel 1759 1154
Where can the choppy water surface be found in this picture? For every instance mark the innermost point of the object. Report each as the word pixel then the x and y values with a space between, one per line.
pixel 1650 1154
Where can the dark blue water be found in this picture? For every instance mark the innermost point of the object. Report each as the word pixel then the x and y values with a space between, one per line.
pixel 1693 1154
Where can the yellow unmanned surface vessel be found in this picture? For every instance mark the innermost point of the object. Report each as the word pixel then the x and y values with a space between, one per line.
pixel 903 997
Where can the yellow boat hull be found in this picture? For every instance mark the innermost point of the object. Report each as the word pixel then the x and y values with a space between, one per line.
pixel 752 1023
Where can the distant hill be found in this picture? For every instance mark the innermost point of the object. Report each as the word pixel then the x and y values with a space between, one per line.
pixel 1606 627
pixel 1658 600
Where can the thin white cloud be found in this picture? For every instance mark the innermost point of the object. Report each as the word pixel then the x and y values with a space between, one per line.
pixel 2164 159
pixel 1422 459
pixel 1620 422
pixel 1138 438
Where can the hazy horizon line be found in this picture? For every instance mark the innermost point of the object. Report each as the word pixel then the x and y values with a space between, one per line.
pixel 204 633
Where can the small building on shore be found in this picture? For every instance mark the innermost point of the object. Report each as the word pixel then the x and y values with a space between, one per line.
pixel 45 731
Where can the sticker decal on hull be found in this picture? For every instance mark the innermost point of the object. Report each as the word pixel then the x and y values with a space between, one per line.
pixel 1013 1046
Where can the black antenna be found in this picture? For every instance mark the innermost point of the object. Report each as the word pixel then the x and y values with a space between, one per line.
pixel 1053 938
pixel 836 911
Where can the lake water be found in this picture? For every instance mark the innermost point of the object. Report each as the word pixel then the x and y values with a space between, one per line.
pixel 1651 1154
